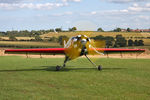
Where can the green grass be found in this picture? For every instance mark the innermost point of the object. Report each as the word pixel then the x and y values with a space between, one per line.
pixel 36 79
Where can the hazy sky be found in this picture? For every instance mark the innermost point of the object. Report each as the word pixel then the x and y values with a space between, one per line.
pixel 84 14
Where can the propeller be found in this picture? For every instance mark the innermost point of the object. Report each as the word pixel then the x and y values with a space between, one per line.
pixel 96 44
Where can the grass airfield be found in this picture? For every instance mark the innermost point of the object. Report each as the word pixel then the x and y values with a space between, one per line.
pixel 36 79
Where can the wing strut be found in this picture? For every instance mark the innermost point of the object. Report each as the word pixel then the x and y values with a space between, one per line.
pixel 99 67
pixel 27 55
pixel 90 60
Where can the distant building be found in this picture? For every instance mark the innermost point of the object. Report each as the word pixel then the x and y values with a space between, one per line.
pixel 136 30
pixel 140 30
pixel 146 30
pixel 123 30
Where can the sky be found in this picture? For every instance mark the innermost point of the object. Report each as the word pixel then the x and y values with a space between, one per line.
pixel 83 14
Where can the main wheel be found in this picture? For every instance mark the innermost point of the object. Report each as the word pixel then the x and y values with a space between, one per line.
pixel 99 67
pixel 64 65
pixel 58 68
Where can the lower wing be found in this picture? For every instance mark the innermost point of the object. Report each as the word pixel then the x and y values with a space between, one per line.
pixel 118 50
pixel 54 51
pixel 51 51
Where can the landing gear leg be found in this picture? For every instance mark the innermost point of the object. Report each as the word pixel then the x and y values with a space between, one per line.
pixel 98 67
pixel 64 65
pixel 66 59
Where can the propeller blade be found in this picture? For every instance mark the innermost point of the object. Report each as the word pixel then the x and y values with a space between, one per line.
pixel 96 44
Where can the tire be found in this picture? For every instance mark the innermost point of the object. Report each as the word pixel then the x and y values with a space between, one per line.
pixel 58 68
pixel 99 67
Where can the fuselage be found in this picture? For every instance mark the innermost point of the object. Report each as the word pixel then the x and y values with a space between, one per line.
pixel 77 46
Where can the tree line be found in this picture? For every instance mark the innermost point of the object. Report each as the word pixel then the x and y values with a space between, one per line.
pixel 118 41
pixel 32 33
pixel 111 42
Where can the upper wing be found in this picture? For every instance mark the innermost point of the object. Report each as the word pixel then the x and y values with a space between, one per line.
pixel 41 50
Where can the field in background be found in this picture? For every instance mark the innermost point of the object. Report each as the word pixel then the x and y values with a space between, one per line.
pixel 146 41
pixel 92 34
pixel 127 35
pixel 24 44
pixel 32 79
pixel 19 38
pixel 88 33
